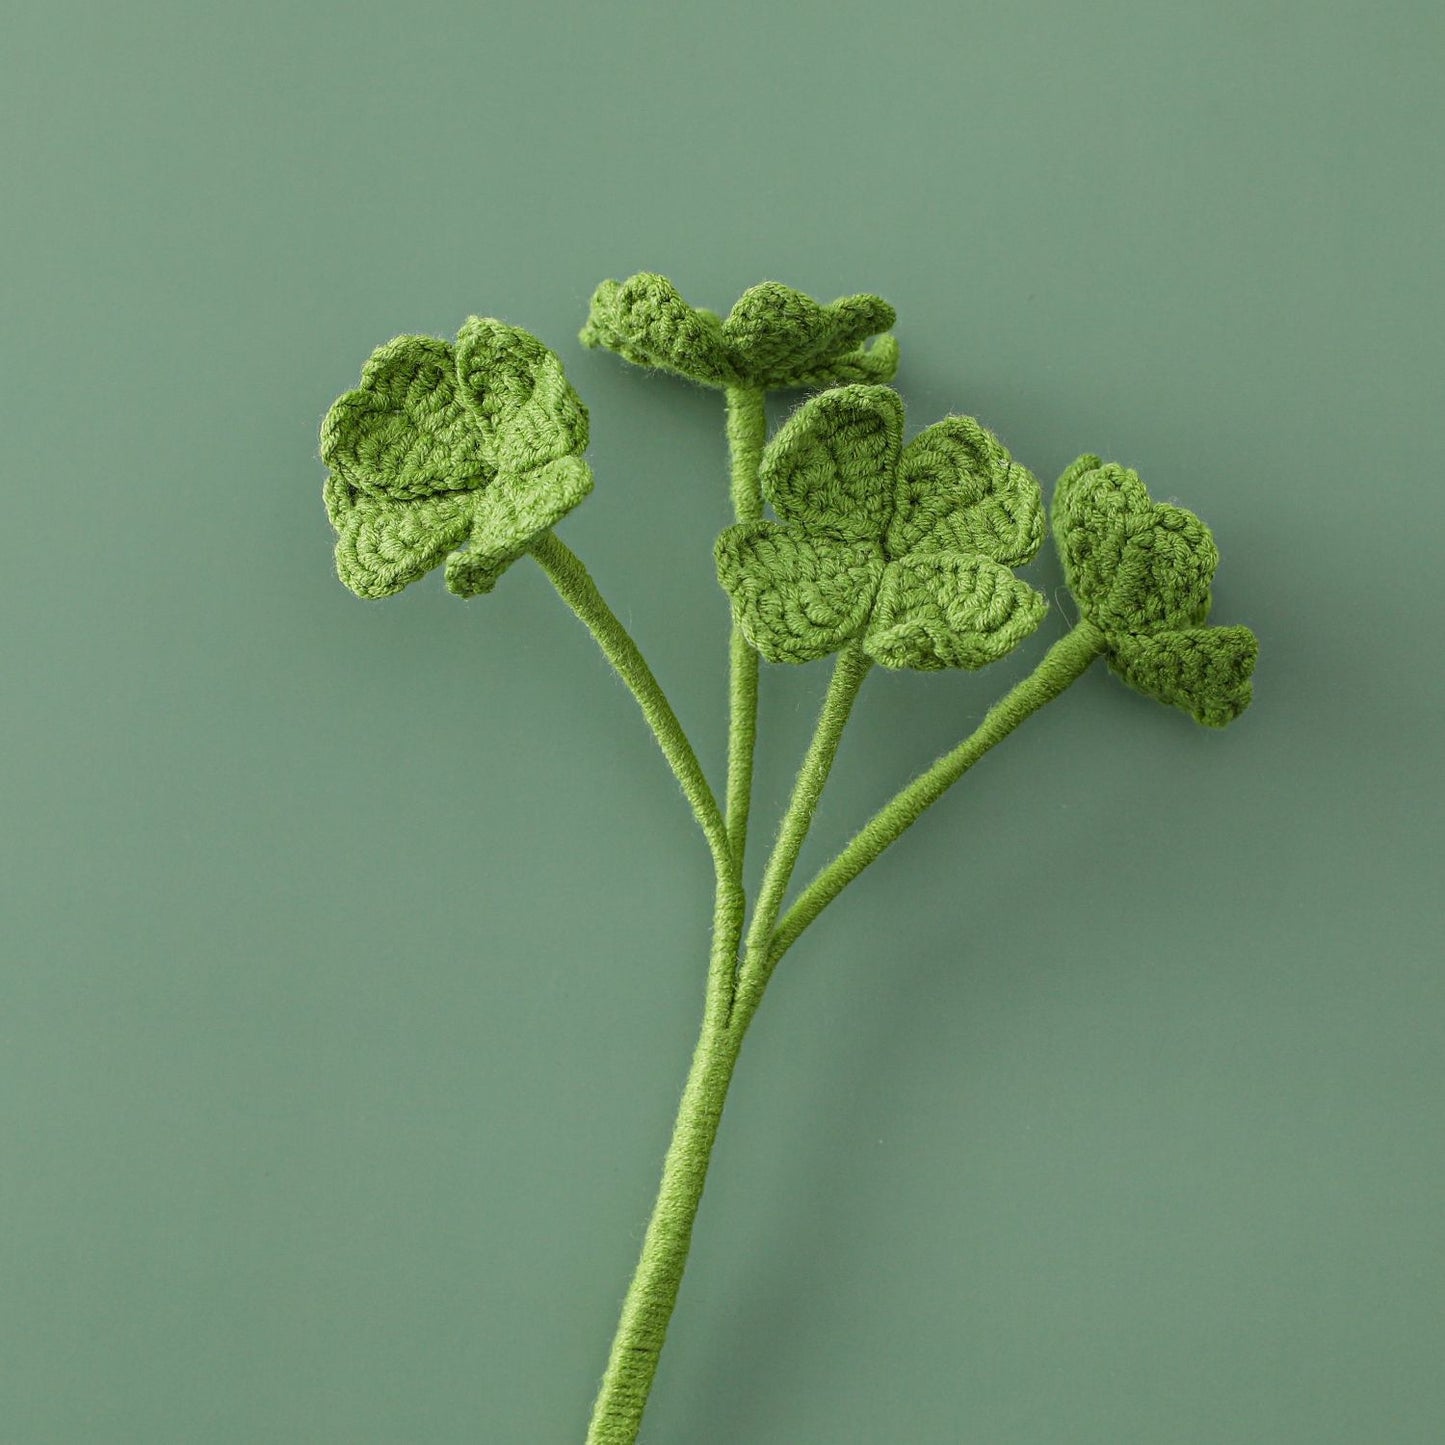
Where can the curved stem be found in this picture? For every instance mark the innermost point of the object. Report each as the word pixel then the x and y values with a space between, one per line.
pixel 1061 665
pixel 848 673
pixel 747 430
pixel 580 593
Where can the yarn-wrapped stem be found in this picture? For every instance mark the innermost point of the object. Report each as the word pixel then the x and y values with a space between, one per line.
pixel 577 589
pixel 1060 666
pixel 652 1294
pixel 747 432
pixel 852 666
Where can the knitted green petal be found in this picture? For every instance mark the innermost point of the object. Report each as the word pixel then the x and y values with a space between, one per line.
pixel 645 320
pixel 406 432
pixel 778 337
pixel 1204 670
pixel 1096 510
pixel 382 545
pixel 950 609
pixel 873 364
pixel 1133 565
pixel 831 463
pixel 339 497
pixel 509 516
pixel 773 337
pixel 1165 574
pixel 797 594
pixel 960 490
pixel 525 407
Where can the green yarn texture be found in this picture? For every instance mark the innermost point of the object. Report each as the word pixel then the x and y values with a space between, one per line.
pixel 1141 572
pixel 465 454
pixel 907 548
pixel 774 337
pixel 462 454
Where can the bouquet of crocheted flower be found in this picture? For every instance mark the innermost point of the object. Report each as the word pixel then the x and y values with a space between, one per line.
pixel 466 455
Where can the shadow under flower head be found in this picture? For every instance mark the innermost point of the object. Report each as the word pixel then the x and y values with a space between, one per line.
pixel 459 453
pixel 1141 572
pixel 773 338
pixel 907 548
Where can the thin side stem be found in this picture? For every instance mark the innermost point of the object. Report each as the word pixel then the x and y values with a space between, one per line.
pixel 1061 665
pixel 851 668
pixel 747 435
pixel 580 593
pixel 747 430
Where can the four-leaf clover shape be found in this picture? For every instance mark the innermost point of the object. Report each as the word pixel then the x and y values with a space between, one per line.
pixel 773 338
pixel 907 549
pixel 1141 573
pixel 443 444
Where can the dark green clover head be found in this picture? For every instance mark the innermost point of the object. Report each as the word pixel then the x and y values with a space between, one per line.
pixel 773 338
pixel 908 548
pixel 1141 571
pixel 463 454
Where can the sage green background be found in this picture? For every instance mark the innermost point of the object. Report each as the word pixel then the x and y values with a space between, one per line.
pixel 353 951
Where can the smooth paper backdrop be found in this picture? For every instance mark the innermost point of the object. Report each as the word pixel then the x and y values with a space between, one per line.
pixel 353 952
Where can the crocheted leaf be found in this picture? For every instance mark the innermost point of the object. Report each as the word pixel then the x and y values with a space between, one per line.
pixel 444 443
pixel 831 463
pixel 773 337
pixel 525 407
pixel 873 364
pixel 960 490
pixel 798 594
pixel 1134 565
pixel 950 609
pixel 1204 670
pixel 778 337
pixel 509 516
pixel 645 320
pixel 382 545
pixel 406 432
pixel 339 497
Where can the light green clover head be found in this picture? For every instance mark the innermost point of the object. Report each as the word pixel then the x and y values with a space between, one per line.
pixel 463 454
pixel 773 338
pixel 907 548
pixel 1141 572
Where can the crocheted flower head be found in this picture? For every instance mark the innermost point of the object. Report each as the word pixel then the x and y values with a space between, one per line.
pixel 1141 571
pixel 463 454
pixel 907 548
pixel 773 338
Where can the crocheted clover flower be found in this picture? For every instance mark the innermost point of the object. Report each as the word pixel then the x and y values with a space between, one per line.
pixel 1141 571
pixel 442 445
pixel 908 548
pixel 773 338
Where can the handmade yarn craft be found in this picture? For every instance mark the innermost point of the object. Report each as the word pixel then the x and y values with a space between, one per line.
pixel 464 455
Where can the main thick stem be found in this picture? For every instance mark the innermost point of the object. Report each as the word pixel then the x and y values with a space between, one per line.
pixel 747 429
pixel 617 1416
pixel 652 1295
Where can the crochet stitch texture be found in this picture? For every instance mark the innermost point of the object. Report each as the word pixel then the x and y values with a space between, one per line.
pixel 1141 572
pixel 444 444
pixel 774 337
pixel 908 548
